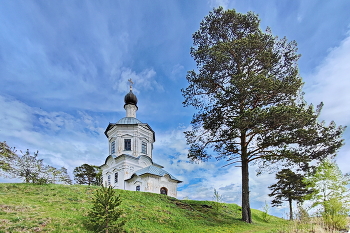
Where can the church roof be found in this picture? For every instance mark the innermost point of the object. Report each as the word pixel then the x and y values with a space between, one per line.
pixel 155 170
pixel 128 120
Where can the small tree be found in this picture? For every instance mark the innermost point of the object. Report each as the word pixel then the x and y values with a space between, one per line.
pixel 53 175
pixel 330 193
pixel 289 187
pixel 105 213
pixel 265 213
pixel 28 167
pixel 64 176
pixel 98 177
pixel 7 155
pixel 87 174
pixel 217 201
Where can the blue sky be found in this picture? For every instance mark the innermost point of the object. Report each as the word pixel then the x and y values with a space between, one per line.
pixel 64 67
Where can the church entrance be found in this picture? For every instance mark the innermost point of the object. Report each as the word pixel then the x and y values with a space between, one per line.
pixel 164 191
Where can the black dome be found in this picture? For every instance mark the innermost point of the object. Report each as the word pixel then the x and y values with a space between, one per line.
pixel 130 98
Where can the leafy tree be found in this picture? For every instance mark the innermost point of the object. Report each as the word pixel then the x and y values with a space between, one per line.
pixel 63 176
pixel 33 170
pixel 99 178
pixel 330 193
pixel 105 213
pixel 289 187
pixel 247 92
pixel 7 155
pixel 29 167
pixel 87 174
pixel 328 182
pixel 53 175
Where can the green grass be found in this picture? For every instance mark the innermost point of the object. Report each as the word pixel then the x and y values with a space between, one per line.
pixel 61 208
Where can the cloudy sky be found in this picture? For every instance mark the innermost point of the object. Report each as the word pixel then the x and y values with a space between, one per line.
pixel 64 67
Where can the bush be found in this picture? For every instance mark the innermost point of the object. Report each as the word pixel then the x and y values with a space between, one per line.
pixel 105 212
pixel 335 214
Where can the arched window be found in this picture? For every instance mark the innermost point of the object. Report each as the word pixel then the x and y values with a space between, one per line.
pixel 113 147
pixel 127 144
pixel 164 191
pixel 138 188
pixel 144 147
pixel 116 177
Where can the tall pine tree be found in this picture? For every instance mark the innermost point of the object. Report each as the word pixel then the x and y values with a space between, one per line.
pixel 247 93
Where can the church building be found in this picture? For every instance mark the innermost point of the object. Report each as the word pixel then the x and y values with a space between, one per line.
pixel 130 165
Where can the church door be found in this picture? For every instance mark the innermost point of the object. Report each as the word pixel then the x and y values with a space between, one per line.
pixel 163 191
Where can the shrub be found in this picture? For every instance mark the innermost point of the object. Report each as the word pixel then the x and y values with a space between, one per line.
pixel 335 214
pixel 105 213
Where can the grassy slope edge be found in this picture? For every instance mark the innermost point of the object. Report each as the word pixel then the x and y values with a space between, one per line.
pixel 61 208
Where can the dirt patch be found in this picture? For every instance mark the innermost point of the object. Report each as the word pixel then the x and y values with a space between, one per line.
pixel 13 209
pixel 184 206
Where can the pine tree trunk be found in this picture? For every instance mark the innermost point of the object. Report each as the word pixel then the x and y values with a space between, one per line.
pixel 290 209
pixel 246 213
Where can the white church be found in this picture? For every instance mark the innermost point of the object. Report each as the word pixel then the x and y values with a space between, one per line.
pixel 129 165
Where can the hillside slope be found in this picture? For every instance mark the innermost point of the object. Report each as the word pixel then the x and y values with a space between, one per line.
pixel 61 208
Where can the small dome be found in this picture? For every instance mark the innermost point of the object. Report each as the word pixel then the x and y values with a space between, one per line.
pixel 130 98
pixel 129 121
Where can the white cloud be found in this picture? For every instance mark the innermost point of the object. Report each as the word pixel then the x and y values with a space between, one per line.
pixel 143 81
pixel 61 138
pixel 177 72
pixel 330 84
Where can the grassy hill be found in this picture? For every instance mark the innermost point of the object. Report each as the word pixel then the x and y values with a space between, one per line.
pixel 60 208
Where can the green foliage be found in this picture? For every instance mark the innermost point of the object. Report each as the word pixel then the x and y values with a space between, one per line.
pixel 331 193
pixel 88 174
pixel 328 182
pixel 30 168
pixel 247 93
pixel 335 215
pixel 7 155
pixel 265 213
pixel 217 201
pixel 105 213
pixel 289 187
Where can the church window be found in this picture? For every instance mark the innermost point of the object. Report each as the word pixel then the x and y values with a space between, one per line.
pixel 116 177
pixel 163 191
pixel 127 144
pixel 113 147
pixel 138 188
pixel 109 179
pixel 144 148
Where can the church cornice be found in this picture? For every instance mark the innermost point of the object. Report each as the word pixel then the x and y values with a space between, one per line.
pixel 129 157
pixel 111 125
